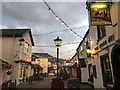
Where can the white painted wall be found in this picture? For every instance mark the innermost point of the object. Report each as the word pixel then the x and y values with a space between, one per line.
pixel 84 75
pixel 98 82
pixel 83 54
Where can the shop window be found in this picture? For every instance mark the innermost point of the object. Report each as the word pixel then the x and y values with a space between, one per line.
pixel 106 70
pixel 101 31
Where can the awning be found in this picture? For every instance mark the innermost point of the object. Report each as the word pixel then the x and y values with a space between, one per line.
pixel 37 66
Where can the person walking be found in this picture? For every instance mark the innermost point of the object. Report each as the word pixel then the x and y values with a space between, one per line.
pixel 31 80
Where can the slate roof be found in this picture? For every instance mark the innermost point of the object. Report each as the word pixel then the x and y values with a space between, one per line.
pixel 16 33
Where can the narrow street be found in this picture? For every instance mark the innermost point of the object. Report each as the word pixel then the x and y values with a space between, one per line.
pixel 65 44
pixel 46 83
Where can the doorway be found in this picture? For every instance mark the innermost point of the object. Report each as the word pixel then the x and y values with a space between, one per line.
pixel 106 69
pixel 115 59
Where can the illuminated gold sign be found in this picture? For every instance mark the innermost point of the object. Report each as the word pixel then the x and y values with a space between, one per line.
pixel 100 13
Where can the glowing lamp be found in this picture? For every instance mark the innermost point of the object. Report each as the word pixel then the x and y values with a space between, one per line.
pixel 77 61
pixel 58 41
pixel 90 51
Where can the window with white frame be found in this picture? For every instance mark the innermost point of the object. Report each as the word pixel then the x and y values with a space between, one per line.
pixel 26 47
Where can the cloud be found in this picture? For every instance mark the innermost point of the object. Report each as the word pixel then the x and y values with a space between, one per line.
pixel 42 0
pixel 35 15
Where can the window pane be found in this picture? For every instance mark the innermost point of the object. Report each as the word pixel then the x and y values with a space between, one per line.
pixel 101 31
pixel 26 47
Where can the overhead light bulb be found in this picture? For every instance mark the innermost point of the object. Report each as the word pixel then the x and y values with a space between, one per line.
pixel 68 28
pixel 62 23
pixel 57 18
pixel 76 35
pixel 70 31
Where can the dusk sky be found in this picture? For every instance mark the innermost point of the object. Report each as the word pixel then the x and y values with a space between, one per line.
pixel 41 21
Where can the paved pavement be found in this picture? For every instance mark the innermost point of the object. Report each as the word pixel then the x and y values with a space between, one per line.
pixel 82 86
pixel 86 86
pixel 46 83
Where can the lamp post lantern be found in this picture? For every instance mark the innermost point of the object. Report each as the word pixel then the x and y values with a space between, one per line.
pixel 58 42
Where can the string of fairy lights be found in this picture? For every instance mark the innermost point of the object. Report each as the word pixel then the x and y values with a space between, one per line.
pixel 61 20
pixel 59 31
pixel 61 45
pixel 67 29
pixel 67 51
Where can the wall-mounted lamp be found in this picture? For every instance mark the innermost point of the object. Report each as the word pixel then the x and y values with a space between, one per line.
pixel 76 61
pixel 89 39
pixel 90 52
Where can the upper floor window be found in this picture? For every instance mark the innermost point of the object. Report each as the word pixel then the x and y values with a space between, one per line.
pixel 26 47
pixel 82 63
pixel 101 31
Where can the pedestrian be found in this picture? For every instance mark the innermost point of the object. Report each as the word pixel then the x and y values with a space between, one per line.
pixel 26 79
pixel 30 80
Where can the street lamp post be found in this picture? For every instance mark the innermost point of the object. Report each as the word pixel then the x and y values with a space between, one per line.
pixel 58 42
pixel 64 64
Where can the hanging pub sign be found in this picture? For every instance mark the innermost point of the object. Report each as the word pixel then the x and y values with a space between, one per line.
pixel 100 13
